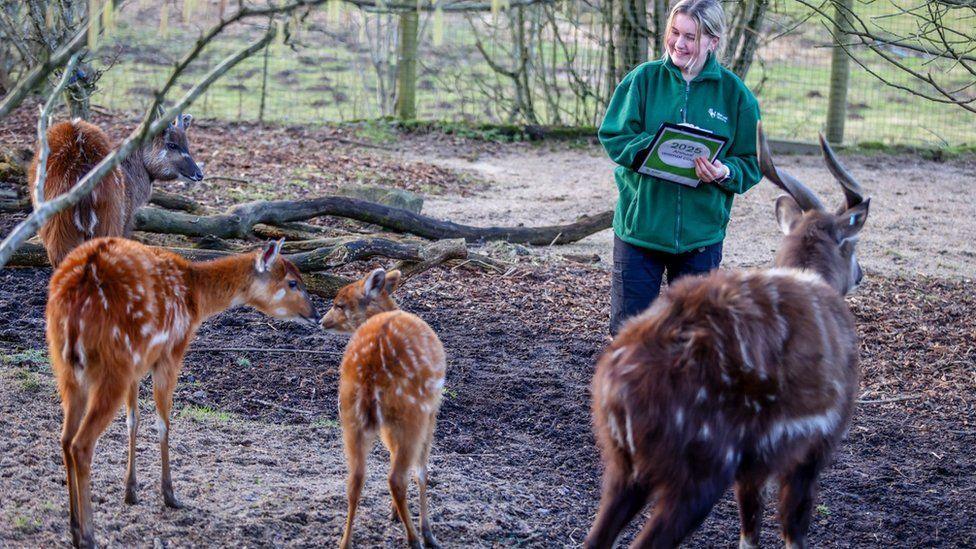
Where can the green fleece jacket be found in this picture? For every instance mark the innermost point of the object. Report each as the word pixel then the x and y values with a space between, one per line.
pixel 666 216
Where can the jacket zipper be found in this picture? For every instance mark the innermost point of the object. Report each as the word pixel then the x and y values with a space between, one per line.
pixel 677 219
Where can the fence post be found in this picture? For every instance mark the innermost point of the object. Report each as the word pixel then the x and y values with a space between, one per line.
pixel 840 71
pixel 406 96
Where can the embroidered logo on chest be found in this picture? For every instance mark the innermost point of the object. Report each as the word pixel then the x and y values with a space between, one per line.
pixel 717 115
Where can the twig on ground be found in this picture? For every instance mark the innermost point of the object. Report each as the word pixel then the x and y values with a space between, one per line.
pixel 283 407
pixel 259 350
pixel 892 399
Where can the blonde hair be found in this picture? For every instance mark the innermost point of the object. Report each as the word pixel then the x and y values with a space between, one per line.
pixel 709 17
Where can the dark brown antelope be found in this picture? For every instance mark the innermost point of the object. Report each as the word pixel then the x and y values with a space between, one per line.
pixel 735 377
pixel 390 382
pixel 76 147
pixel 118 310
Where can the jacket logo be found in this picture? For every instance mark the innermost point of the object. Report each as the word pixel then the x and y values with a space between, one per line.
pixel 715 114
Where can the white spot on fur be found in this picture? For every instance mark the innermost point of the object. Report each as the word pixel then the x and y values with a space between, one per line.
pixel 701 396
pixel 679 417
pixel 160 427
pixel 615 433
pixel 820 424
pixel 278 295
pixel 281 311
pixel 705 432
pixel 627 368
pixel 800 275
pixel 630 434
pixel 159 339
pixel 130 419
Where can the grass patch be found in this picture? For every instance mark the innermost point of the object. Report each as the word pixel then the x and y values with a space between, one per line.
pixel 326 423
pixel 205 414
pixel 30 356
pixel 28 380
pixel 24 524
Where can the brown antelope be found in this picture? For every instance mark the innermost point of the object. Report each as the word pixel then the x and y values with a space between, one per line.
pixel 735 377
pixel 391 380
pixel 117 310
pixel 76 147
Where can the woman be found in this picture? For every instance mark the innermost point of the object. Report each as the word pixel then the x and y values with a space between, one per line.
pixel 662 227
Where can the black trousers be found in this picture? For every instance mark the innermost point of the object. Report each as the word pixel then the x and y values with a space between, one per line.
pixel 638 273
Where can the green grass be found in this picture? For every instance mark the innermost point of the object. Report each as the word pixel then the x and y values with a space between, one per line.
pixel 30 356
pixel 326 424
pixel 205 414
pixel 331 80
pixel 24 524
pixel 31 369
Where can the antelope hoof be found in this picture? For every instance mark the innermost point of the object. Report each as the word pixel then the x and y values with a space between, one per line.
pixel 130 495
pixel 170 500
pixel 430 542
pixel 415 544
pixel 84 541
pixel 394 516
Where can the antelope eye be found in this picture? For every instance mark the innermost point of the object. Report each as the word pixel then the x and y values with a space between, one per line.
pixel 292 284
pixel 172 146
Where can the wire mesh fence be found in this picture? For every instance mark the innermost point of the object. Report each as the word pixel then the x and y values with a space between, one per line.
pixel 544 63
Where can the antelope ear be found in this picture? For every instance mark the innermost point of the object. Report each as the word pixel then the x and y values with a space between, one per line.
pixel 374 283
pixel 266 259
pixel 392 281
pixel 852 221
pixel 788 212
pixel 185 121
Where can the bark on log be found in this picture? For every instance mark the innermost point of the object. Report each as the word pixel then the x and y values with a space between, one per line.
pixel 14 205
pixel 415 259
pixel 173 201
pixel 239 221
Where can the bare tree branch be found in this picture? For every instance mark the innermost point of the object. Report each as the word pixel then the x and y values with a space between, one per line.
pixel 143 133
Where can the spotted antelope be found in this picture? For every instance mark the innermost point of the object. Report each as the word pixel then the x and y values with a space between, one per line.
pixel 118 310
pixel 390 383
pixel 735 377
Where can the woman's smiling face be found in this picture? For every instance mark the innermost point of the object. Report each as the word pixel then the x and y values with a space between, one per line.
pixel 682 46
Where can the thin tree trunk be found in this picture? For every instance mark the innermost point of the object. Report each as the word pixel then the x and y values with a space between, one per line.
pixel 750 41
pixel 406 93
pixel 633 35
pixel 839 75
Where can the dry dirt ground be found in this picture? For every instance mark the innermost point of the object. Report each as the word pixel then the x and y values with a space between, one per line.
pixel 257 450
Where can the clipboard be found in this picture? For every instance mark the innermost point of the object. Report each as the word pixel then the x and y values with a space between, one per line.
pixel 671 154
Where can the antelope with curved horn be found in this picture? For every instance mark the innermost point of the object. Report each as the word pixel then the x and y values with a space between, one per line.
pixel 735 377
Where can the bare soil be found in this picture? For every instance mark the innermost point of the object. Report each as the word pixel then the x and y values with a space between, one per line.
pixel 257 453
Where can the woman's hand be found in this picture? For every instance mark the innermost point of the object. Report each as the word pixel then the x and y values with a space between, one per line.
pixel 710 172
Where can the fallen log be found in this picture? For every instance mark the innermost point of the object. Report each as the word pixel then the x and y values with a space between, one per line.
pixel 173 201
pixel 14 205
pixel 239 221
pixel 414 258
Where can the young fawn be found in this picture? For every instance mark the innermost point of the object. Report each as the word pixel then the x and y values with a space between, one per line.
pixel 735 377
pixel 117 310
pixel 76 147
pixel 391 381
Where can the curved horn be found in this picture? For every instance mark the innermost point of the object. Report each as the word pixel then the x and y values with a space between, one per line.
pixel 852 189
pixel 804 197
